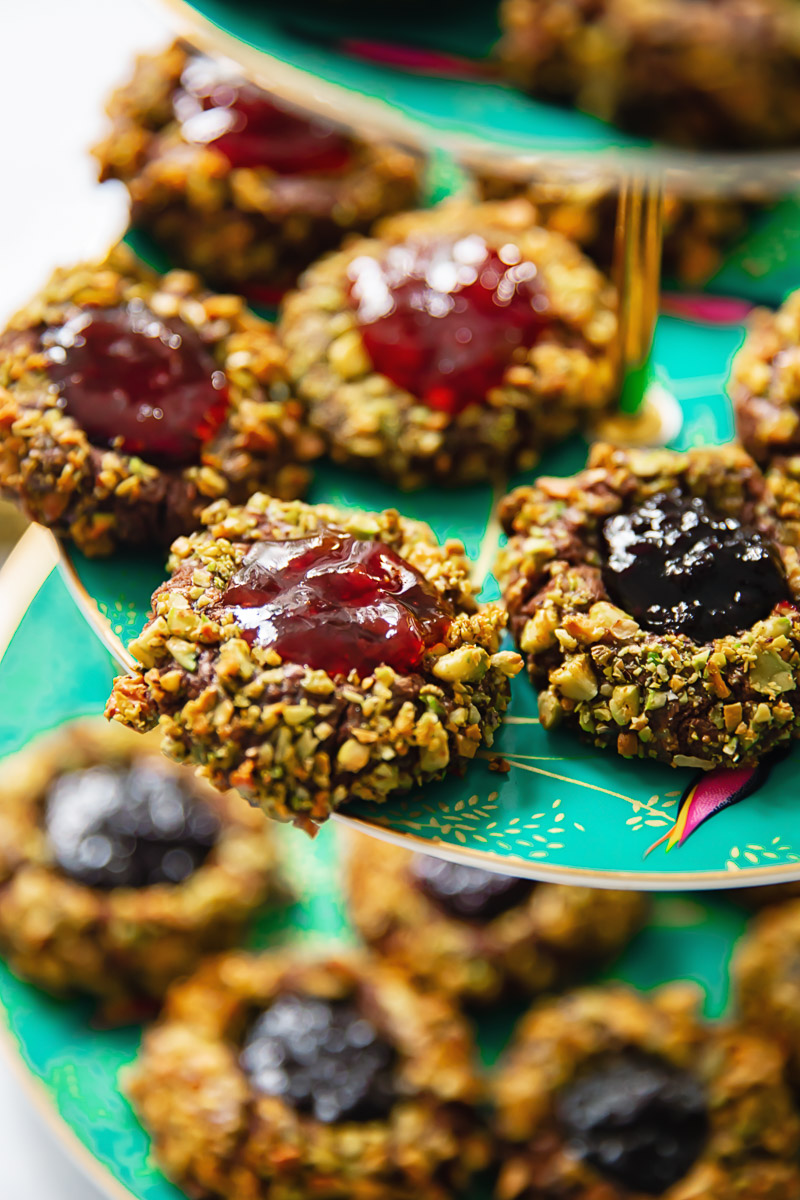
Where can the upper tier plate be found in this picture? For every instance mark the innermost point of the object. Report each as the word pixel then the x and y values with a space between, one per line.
pixel 563 811
pixel 297 53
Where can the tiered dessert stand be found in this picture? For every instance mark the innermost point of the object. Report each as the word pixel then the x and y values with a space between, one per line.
pixel 562 811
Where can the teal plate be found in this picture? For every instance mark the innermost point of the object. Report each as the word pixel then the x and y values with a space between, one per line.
pixel 55 669
pixel 343 61
pixel 563 811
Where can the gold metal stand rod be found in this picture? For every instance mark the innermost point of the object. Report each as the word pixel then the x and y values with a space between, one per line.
pixel 637 276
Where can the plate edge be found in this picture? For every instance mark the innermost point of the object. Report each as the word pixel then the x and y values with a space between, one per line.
pixel 37 1093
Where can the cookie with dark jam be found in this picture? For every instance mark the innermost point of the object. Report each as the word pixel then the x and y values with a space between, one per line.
pixel 284 1076
pixel 607 1092
pixel 655 597
pixel 477 935
pixel 119 870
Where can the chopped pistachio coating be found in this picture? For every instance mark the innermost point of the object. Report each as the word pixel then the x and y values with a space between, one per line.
pixel 765 383
pixel 294 740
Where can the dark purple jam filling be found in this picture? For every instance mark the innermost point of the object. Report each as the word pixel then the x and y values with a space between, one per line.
pixel 322 1057
pixel 678 567
pixel 468 893
pixel 637 1119
pixel 127 826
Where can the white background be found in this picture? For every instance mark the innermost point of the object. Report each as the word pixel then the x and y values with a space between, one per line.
pixel 59 59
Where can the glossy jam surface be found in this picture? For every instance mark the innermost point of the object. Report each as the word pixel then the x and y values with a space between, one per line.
pixel 127 826
pixel 334 603
pixel 442 318
pixel 322 1057
pixel 125 373
pixel 678 567
pixel 637 1119
pixel 468 893
pixel 216 107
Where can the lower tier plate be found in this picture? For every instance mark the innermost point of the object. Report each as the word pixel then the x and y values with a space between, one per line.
pixel 54 669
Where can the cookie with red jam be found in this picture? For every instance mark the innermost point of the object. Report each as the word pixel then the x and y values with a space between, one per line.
pixel 269 1076
pixel 234 184
pixel 476 935
pixel 766 974
pixel 307 656
pixel 456 343
pixel 705 73
pixel 129 401
pixel 655 596
pixel 697 232
pixel 119 870
pixel 608 1094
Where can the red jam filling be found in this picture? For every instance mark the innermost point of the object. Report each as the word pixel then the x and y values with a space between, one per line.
pixel 334 603
pixel 124 373
pixel 442 318
pixel 216 107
